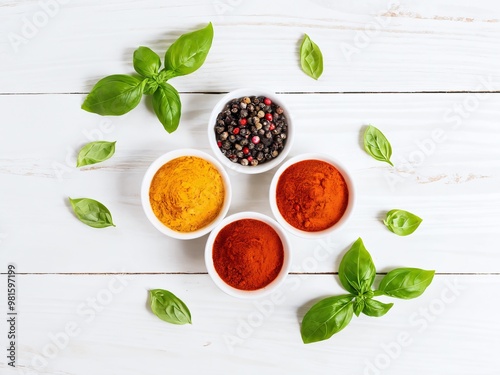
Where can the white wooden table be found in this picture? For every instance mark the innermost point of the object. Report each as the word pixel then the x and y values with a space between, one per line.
pixel 426 73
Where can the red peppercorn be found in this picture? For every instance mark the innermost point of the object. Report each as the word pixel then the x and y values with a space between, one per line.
pixel 272 126
pixel 236 130
pixel 219 143
pixel 249 159
pixel 243 121
pixel 267 101
pixel 269 117
pixel 255 139
pixel 245 150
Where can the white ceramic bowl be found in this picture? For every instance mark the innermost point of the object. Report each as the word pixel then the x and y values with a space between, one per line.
pixel 350 186
pixel 238 167
pixel 146 183
pixel 248 293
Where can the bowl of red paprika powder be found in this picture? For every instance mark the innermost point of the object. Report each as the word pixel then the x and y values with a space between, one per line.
pixel 248 255
pixel 312 195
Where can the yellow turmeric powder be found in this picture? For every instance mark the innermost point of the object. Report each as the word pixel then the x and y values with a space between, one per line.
pixel 187 193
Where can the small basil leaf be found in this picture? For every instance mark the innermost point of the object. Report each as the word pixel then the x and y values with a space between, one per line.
pixel 92 212
pixel 167 106
pixel 114 95
pixel 311 58
pixel 326 318
pixel 377 145
pixel 375 308
pixel 359 304
pixel 402 222
pixel 406 283
pixel 188 53
pixel 168 307
pixel 356 270
pixel 95 152
pixel 150 87
pixel 146 62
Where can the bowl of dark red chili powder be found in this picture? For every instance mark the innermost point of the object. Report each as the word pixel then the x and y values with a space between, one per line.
pixel 248 255
pixel 312 195
pixel 250 130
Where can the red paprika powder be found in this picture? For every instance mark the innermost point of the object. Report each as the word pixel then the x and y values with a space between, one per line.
pixel 248 254
pixel 312 195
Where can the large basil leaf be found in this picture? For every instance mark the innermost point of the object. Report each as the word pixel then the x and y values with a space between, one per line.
pixel 188 53
pixel 167 106
pixel 402 222
pixel 356 270
pixel 326 318
pixel 311 58
pixel 406 283
pixel 146 62
pixel 114 95
pixel 166 306
pixel 92 212
pixel 95 152
pixel 377 145
pixel 376 308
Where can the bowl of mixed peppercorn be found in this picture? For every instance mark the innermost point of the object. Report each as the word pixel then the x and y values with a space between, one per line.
pixel 250 130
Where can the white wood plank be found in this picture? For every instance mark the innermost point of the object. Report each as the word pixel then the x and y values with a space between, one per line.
pixel 411 46
pixel 455 189
pixel 444 333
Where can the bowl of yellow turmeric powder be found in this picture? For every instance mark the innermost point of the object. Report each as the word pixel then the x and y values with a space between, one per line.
pixel 185 193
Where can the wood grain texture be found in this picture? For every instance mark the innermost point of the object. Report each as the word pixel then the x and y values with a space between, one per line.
pixel 120 335
pixel 368 46
pixel 454 188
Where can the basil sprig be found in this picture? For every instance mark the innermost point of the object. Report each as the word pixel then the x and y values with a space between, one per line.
pixel 377 145
pixel 311 58
pixel 402 222
pixel 168 307
pixel 118 94
pixel 92 212
pixel 95 152
pixel 356 274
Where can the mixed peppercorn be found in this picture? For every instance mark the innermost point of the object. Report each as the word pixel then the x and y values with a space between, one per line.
pixel 251 130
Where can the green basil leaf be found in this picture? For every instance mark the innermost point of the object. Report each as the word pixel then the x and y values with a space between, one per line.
pixel 376 308
pixel 95 152
pixel 114 95
pixel 356 270
pixel 402 222
pixel 311 58
pixel 406 283
pixel 146 62
pixel 92 212
pixel 377 145
pixel 359 304
pixel 150 87
pixel 188 53
pixel 167 106
pixel 326 318
pixel 168 307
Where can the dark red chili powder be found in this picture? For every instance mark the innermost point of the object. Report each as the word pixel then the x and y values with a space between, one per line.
pixel 312 195
pixel 248 254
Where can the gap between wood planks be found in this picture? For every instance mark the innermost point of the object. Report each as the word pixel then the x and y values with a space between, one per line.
pixel 277 92
pixel 206 273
